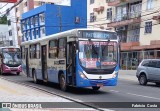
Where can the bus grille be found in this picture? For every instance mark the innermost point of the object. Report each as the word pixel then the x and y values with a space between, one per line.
pixel 95 82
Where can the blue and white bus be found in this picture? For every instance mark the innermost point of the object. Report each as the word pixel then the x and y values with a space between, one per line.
pixel 78 58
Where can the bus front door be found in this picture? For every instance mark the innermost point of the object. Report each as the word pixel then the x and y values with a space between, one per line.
pixel 44 62
pixel 71 63
pixel 27 62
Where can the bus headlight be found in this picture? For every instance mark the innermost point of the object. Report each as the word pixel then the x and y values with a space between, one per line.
pixel 115 74
pixel 82 75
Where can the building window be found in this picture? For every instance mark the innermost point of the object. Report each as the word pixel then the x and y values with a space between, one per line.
pixel 43 30
pixel 25 4
pixel 10 32
pixel 41 17
pixel 92 17
pixel 37 32
pixel 28 34
pixel 11 42
pixel 148 27
pixel 53 49
pixel 33 32
pixel 32 20
pixel 149 4
pixel 36 20
pixel 42 3
pixel 9 22
pixel 109 13
pixel 91 1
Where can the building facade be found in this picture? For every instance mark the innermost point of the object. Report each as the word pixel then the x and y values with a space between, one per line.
pixel 41 21
pixel 4 36
pixel 136 22
pixel 25 6
pixel 12 29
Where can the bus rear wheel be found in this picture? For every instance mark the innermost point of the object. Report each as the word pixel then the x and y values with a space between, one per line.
pixel 95 88
pixel 62 83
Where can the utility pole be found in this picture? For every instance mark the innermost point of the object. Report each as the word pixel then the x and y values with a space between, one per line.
pixel 60 18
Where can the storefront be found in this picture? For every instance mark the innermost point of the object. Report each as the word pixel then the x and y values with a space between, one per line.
pixel 131 59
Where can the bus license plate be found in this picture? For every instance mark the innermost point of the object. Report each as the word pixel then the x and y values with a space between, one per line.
pixel 100 85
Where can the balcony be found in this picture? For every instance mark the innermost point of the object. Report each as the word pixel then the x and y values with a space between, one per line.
pixel 120 2
pixel 125 19
pixel 116 2
pixel 99 9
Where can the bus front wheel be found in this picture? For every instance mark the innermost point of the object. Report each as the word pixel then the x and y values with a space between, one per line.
pixel 95 88
pixel 62 83
pixel 18 73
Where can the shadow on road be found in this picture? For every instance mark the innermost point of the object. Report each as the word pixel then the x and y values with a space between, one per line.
pixel 9 74
pixel 73 90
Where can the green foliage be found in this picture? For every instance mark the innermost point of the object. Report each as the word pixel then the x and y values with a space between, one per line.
pixel 3 20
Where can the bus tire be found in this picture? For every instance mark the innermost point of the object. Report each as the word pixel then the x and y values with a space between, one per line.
pixel 35 80
pixel 95 88
pixel 1 72
pixel 18 73
pixel 62 83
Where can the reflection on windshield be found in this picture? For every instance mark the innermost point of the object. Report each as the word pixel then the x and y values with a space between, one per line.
pixel 97 55
pixel 11 58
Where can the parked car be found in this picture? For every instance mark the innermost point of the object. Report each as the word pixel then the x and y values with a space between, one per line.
pixel 149 71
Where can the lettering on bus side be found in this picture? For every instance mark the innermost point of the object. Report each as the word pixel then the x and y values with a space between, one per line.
pixel 61 61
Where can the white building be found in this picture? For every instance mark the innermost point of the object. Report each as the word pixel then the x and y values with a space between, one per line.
pixel 4 36
pixel 12 29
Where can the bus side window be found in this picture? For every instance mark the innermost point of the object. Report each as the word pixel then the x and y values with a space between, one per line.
pixel 53 49
pixel 61 48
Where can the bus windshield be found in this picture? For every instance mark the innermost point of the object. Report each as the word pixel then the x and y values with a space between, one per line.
pixel 98 55
pixel 12 58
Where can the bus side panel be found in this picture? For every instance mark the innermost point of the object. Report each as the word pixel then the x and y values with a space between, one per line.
pixel 39 74
pixel 52 75
pixel 24 67
pixel 80 82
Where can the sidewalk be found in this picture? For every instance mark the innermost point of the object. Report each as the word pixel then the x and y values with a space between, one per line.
pixel 22 97
pixel 127 75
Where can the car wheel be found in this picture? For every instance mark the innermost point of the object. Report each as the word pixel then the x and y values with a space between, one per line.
pixel 62 83
pixel 142 80
pixel 157 83
pixel 95 88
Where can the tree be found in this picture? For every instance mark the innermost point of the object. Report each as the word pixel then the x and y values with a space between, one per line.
pixel 3 20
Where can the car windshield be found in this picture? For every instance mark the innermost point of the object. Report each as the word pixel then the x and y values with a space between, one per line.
pixel 11 58
pixel 98 55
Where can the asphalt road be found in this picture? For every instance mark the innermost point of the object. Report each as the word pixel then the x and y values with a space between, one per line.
pixel 125 91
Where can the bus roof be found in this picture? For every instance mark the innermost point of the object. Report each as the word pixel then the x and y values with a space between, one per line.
pixel 65 34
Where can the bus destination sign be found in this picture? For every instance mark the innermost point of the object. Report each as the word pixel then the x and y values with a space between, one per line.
pixel 11 50
pixel 99 35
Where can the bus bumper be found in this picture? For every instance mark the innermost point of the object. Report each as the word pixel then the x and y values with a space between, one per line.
pixel 90 83
pixel 7 69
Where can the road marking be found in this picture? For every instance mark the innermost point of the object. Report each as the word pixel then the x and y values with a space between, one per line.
pixel 136 95
pixel 114 91
pixel 143 96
